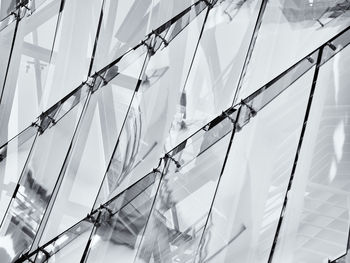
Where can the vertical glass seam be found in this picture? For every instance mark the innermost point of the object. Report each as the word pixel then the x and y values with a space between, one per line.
pixel 60 177
pixel 96 38
pixel 303 129
pixel 250 49
pixel 144 66
pixel 235 127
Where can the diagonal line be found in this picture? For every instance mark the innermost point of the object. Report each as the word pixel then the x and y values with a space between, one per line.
pixel 58 104
pixel 249 100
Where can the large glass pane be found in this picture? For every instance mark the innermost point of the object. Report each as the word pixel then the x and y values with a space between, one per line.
pixel 25 212
pixel 181 207
pixel 12 159
pixel 118 236
pixel 126 23
pixel 249 199
pixel 72 50
pixel 215 71
pixel 23 89
pixel 316 222
pixel 94 144
pixel 153 107
pixel 289 31
pixel 110 232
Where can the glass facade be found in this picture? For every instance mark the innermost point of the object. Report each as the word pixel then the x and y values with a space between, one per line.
pixel 158 131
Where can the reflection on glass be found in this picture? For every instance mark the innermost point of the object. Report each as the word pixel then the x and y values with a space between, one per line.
pixel 263 96
pixel 250 195
pixel 106 223
pixel 36 184
pixel 211 83
pixel 335 45
pixel 152 109
pixel 181 207
pixel 12 159
pixel 72 49
pixel 6 7
pixel 70 245
pixel 316 221
pixel 125 23
pixel 7 21
pixel 289 31
pixel 97 134
pixel 118 235
pixel 99 142
pixel 23 89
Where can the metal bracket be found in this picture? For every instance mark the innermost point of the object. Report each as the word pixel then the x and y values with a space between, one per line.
pixel 90 81
pixel 252 110
pixel 105 82
pixel 94 220
pixel 53 121
pixel 321 24
pixel 331 46
pixel 150 49
pixel 310 59
pixel 178 165
pixel 104 207
pixel 156 170
pixel 40 129
pixel 234 122
pixel 161 38
pixel 47 254
pixel 224 113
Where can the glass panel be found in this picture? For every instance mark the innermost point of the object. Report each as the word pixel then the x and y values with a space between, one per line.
pixel 106 220
pixel 72 50
pixel 316 221
pixel 6 7
pixel 68 246
pixel 181 207
pixel 12 159
pixel 23 89
pixel 125 23
pixel 289 31
pixel 211 83
pixel 263 96
pixel 60 109
pixel 132 119
pixel 118 236
pixel 338 43
pixel 38 179
pixel 96 137
pixel 249 199
pixel 6 22
pixel 68 252
pixel 152 110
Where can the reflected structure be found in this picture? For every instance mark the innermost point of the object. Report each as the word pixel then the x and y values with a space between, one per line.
pixel 156 131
